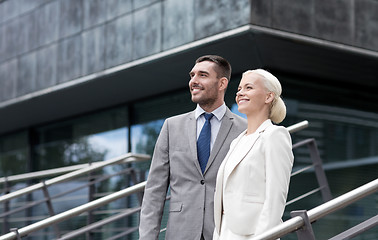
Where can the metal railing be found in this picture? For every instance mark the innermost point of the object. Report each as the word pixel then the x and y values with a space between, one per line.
pixel 112 197
pixel 297 127
pixel 44 173
pixel 306 218
pixel 126 158
pixel 73 212
pixel 356 230
pixel 317 165
pixel 82 169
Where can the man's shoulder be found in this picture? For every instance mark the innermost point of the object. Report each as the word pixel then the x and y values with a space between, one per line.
pixel 181 117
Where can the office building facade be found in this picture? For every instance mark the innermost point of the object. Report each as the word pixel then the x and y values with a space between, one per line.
pixel 88 80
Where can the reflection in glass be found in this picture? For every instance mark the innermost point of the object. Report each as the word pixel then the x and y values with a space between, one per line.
pixel 96 137
pixel 92 138
pixel 144 136
pixel 14 152
pixel 143 139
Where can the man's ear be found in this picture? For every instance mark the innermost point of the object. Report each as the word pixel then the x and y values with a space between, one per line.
pixel 223 83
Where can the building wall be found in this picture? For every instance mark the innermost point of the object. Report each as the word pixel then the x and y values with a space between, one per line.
pixel 350 22
pixel 47 42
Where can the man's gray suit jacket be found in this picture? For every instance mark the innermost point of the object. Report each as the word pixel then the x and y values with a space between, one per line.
pixel 175 165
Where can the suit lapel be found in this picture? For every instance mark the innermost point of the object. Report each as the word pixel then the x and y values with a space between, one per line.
pixel 192 134
pixel 239 156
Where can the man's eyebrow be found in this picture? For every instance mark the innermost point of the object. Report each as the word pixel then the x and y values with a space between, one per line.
pixel 200 71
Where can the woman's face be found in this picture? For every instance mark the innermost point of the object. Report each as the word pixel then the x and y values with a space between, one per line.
pixel 252 96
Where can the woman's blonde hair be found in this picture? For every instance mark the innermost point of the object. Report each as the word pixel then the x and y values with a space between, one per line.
pixel 278 109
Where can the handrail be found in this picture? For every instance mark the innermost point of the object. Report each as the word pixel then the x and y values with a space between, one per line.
pixel 44 173
pixel 320 211
pixel 99 224
pixel 61 193
pixel 358 229
pixel 73 212
pixel 50 172
pixel 297 127
pixel 128 158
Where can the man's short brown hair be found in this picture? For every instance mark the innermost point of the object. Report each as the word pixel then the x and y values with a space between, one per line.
pixel 223 68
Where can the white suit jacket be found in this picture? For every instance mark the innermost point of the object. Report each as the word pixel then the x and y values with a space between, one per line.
pixel 255 191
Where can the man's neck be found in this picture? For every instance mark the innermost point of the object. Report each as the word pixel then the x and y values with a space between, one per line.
pixel 210 108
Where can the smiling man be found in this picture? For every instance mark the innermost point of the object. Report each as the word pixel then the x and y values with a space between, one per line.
pixel 187 155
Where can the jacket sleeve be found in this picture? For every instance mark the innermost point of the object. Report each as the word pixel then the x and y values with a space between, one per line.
pixel 156 189
pixel 278 165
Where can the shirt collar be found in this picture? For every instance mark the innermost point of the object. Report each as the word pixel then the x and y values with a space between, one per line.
pixel 218 113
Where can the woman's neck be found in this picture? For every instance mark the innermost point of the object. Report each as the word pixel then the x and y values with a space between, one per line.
pixel 254 122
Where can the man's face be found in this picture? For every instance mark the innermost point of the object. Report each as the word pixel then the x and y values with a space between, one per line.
pixel 204 84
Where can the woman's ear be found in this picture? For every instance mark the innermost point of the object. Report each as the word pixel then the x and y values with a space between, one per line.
pixel 269 97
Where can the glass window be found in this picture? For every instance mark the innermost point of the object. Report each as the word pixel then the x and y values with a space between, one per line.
pixel 95 137
pixel 14 159
pixel 14 152
pixel 91 138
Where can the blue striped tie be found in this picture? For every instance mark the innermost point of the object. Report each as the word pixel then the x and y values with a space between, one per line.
pixel 203 142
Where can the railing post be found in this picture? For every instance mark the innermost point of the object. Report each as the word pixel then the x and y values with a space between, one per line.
pixel 50 207
pixel 6 206
pixel 319 171
pixel 306 232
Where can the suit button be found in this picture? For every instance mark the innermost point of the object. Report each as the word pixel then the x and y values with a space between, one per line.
pixel 202 182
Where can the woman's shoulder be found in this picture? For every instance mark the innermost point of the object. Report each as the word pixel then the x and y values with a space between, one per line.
pixel 276 131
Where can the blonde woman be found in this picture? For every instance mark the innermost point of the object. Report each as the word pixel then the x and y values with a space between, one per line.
pixel 253 180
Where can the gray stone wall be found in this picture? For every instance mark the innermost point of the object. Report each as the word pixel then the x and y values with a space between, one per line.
pixel 47 42
pixel 351 22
